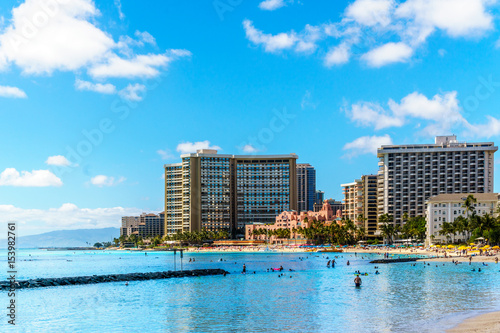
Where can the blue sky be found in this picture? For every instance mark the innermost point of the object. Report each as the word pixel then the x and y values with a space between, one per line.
pixel 129 88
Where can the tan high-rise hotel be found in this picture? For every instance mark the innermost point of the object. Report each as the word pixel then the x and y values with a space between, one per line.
pixel 216 191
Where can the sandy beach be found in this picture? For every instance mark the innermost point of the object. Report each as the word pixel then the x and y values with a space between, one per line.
pixel 486 323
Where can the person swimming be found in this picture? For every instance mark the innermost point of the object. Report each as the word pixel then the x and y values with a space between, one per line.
pixel 357 281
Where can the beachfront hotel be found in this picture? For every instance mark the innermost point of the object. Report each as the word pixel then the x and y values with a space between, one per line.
pixel 447 207
pixel 306 187
pixel 360 203
pixel 292 220
pixel 411 174
pixel 217 191
pixel 145 225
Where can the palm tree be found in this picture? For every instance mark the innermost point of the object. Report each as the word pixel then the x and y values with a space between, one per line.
pixel 386 226
pixel 361 233
pixel 469 204
pixel 487 223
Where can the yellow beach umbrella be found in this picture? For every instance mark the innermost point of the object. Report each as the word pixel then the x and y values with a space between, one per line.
pixel 471 244
pixel 496 247
pixel 451 246
pixel 486 247
pixel 462 247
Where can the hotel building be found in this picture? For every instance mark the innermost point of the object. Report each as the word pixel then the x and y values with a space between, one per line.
pixel 306 187
pixel 411 174
pixel 145 225
pixel 319 198
pixel 447 207
pixel 336 205
pixel 293 220
pixel 360 199
pixel 215 191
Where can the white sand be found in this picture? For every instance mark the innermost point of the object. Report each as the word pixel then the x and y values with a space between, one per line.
pixel 486 323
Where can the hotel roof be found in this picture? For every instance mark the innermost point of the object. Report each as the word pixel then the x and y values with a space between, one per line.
pixel 454 197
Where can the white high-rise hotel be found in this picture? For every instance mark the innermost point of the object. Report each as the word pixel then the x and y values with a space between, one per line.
pixel 410 174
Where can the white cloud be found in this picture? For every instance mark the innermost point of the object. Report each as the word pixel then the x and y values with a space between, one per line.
pixel 441 114
pixel 133 92
pixel 458 18
pixel 192 147
pixel 44 37
pixel 337 55
pixel 367 145
pixel 102 180
pixel 140 66
pixel 372 114
pixel 399 27
pixel 489 129
pixel 165 154
pixel 107 88
pixel 68 216
pixel 12 92
pixel 387 54
pixel 58 160
pixel 371 12
pixel 118 5
pixel 271 43
pixel 307 39
pixel 249 149
pixel 35 178
pixel 271 4
pixel 145 37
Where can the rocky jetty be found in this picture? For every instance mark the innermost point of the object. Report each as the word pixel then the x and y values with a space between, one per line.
pixel 388 261
pixel 79 280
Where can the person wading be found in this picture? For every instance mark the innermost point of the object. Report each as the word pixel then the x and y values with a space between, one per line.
pixel 357 281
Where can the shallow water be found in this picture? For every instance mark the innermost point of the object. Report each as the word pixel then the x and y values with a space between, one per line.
pixel 403 298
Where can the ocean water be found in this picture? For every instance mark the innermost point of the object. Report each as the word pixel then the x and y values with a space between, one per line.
pixel 312 298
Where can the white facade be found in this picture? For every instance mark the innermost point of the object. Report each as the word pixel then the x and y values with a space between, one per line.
pixel 447 207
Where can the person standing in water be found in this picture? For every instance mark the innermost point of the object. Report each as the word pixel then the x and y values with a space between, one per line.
pixel 244 269
pixel 357 281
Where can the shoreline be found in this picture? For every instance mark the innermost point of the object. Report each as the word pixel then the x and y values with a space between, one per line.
pixel 483 323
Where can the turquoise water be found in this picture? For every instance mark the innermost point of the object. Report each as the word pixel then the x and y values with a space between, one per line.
pixel 403 298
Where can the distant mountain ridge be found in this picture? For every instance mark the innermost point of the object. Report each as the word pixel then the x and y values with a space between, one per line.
pixel 66 238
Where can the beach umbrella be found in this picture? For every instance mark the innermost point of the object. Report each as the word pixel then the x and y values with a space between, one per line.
pixel 496 247
pixel 471 244
pixel 486 247
pixel 462 247
pixel 451 246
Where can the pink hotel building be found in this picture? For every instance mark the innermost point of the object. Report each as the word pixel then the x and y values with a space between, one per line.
pixel 293 219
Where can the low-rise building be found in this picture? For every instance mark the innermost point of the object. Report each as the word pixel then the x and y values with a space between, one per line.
pixel 447 207
pixel 292 220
